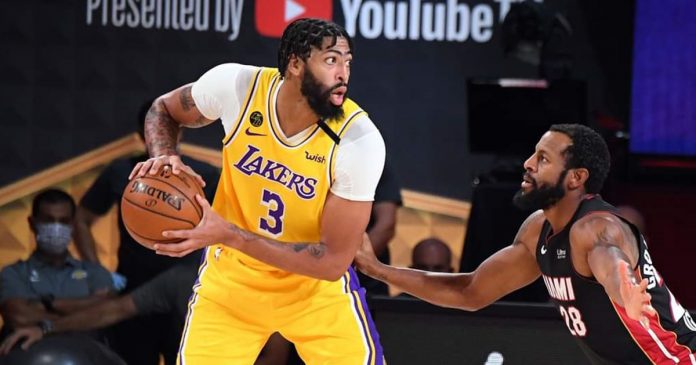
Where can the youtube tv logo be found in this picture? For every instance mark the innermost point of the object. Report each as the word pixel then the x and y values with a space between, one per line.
pixel 272 16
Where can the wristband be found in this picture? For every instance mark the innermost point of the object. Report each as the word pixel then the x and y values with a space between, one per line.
pixel 46 326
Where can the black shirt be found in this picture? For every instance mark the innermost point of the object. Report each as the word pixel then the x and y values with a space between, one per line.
pixel 601 327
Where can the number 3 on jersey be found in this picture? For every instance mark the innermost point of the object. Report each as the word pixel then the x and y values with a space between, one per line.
pixel 273 223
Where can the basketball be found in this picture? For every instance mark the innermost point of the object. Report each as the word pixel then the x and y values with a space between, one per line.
pixel 162 202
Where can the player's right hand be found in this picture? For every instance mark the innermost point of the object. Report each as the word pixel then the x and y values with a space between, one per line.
pixel 635 296
pixel 365 257
pixel 31 334
pixel 154 164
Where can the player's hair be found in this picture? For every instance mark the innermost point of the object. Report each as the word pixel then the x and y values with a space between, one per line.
pixel 588 150
pixel 302 34
pixel 52 196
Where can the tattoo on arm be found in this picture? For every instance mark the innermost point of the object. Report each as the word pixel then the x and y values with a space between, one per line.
pixel 187 103
pixel 161 131
pixel 186 99
pixel 316 250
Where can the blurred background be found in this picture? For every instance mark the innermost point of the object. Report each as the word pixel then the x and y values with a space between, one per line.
pixel 460 89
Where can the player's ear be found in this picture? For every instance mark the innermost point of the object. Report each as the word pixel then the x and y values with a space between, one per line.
pixel 295 65
pixel 578 177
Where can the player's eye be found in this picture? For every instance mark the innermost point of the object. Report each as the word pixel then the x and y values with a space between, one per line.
pixel 331 60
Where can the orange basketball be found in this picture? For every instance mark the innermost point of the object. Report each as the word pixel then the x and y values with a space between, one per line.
pixel 162 202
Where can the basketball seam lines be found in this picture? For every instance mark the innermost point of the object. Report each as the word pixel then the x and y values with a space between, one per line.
pixel 159 213
pixel 193 198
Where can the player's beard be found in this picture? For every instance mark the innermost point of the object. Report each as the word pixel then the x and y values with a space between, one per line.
pixel 540 197
pixel 319 97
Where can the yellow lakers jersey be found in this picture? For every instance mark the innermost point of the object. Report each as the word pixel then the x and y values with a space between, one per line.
pixel 272 187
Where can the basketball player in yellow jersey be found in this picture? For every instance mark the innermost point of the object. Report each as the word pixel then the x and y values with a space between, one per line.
pixel 300 167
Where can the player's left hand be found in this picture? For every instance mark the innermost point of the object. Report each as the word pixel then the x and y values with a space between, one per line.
pixel 635 296
pixel 30 335
pixel 210 230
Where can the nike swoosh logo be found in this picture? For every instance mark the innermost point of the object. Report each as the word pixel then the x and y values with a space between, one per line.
pixel 543 250
pixel 250 133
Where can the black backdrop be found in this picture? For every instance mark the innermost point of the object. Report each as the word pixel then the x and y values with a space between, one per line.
pixel 67 86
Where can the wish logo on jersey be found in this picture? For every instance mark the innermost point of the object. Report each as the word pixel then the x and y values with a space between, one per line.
pixel 253 163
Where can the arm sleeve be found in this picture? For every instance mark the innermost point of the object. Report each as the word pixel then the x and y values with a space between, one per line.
pixel 13 285
pixel 359 162
pixel 220 92
pixel 99 278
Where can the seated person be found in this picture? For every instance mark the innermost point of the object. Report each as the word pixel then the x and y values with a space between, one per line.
pixel 51 283
pixel 168 293
pixel 431 254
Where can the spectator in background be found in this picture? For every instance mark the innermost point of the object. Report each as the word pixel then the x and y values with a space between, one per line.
pixel 168 292
pixel 51 283
pixel 137 341
pixel 431 254
pixel 382 225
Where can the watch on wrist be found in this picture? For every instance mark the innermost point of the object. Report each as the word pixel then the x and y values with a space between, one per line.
pixel 46 326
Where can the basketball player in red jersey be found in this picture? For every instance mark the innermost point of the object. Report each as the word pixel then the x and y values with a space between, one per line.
pixel 594 263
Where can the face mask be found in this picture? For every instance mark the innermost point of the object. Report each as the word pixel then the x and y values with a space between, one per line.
pixel 53 238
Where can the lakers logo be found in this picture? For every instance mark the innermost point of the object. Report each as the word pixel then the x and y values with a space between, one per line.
pixel 256 119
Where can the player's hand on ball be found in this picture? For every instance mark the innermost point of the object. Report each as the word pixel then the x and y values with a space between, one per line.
pixel 365 257
pixel 211 229
pixel 154 164
pixel 635 297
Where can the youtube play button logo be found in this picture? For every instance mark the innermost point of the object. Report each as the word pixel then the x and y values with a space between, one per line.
pixel 272 16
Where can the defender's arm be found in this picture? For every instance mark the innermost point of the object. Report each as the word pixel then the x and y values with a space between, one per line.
pixel 505 271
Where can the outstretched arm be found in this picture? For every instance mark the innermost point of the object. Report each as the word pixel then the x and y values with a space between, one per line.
pixel 606 248
pixel 507 270
pixel 342 226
